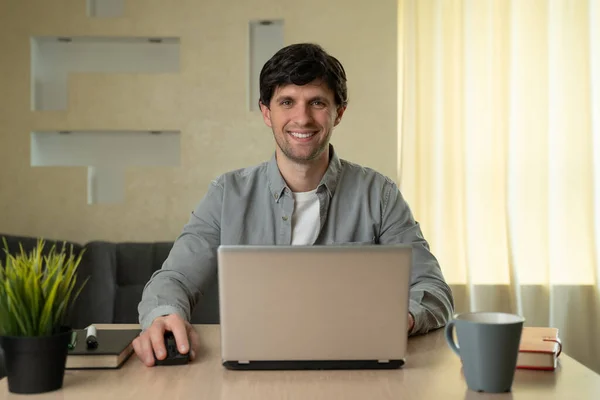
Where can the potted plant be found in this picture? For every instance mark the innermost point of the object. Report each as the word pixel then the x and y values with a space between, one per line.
pixel 37 292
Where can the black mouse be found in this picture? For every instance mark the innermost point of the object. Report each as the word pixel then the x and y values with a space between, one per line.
pixel 174 357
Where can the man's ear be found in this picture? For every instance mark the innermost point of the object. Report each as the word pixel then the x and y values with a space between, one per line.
pixel 340 111
pixel 266 113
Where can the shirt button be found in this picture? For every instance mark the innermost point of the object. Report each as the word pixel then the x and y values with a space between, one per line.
pixel 276 196
pixel 285 218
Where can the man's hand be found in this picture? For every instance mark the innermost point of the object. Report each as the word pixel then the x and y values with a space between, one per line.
pixel 411 322
pixel 152 340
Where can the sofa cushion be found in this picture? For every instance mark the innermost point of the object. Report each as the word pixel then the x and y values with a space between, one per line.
pixel 118 273
pixel 97 300
pixel 136 262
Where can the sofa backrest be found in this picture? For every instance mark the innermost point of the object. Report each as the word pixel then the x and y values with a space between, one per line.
pixel 116 274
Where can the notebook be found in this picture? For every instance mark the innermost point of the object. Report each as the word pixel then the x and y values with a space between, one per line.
pixel 114 348
pixel 539 348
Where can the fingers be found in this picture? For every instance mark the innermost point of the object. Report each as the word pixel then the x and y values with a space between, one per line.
pixel 152 340
pixel 157 339
pixel 177 325
pixel 147 355
pixel 411 322
pixel 143 349
pixel 137 347
pixel 194 340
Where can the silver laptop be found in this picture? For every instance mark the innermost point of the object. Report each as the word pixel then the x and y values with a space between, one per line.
pixel 314 307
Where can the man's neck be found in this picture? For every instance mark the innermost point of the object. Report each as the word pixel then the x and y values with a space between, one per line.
pixel 302 177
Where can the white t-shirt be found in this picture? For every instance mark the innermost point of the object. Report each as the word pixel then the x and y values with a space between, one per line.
pixel 305 219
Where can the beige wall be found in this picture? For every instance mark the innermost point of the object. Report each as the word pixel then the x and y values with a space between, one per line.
pixel 207 102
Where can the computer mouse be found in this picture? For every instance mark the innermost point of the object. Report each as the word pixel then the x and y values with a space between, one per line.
pixel 174 357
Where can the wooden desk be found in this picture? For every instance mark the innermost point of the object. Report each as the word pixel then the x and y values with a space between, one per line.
pixel 432 371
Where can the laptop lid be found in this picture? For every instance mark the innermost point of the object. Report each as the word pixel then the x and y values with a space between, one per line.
pixel 314 306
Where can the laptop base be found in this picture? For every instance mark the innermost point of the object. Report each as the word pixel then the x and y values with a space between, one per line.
pixel 312 365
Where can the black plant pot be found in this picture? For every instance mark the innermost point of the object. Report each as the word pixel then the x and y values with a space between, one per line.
pixel 35 364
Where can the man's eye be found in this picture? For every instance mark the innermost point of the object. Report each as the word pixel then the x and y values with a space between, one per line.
pixel 318 103
pixel 286 103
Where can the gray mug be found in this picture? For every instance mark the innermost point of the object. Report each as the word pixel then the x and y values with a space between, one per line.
pixel 488 347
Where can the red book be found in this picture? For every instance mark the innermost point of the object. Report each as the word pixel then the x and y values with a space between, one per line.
pixel 539 348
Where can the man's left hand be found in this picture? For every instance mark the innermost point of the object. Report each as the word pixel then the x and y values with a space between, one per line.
pixel 411 322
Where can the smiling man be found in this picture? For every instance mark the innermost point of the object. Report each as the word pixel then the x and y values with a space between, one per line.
pixel 305 195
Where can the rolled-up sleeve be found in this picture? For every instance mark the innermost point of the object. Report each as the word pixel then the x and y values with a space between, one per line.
pixel 191 265
pixel 431 302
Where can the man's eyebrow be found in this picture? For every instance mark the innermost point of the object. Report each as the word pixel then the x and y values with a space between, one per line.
pixel 282 98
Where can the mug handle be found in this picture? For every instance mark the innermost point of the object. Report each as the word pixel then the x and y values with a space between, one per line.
pixel 450 338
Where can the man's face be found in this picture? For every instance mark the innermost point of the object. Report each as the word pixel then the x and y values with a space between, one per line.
pixel 302 119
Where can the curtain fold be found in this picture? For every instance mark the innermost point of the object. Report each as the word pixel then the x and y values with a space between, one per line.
pixel 500 155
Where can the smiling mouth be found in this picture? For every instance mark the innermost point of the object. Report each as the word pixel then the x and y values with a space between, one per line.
pixel 302 135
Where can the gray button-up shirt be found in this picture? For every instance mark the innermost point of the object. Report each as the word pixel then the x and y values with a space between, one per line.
pixel 254 206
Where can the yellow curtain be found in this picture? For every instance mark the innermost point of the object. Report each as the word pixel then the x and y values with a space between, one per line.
pixel 499 157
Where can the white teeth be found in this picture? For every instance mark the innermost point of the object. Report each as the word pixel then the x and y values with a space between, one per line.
pixel 301 135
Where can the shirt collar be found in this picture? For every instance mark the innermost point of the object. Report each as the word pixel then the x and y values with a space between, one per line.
pixel 329 181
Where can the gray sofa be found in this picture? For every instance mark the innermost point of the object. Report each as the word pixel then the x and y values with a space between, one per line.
pixel 117 274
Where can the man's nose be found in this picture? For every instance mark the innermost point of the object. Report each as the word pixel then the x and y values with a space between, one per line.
pixel 303 115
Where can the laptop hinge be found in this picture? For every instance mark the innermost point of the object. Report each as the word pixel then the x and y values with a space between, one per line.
pixel 243 362
pixel 383 361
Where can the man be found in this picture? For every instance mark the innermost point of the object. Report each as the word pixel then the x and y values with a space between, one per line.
pixel 304 195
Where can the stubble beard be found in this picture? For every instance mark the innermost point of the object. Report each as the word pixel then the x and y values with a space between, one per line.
pixel 287 150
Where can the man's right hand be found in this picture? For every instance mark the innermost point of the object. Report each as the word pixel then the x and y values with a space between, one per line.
pixel 152 340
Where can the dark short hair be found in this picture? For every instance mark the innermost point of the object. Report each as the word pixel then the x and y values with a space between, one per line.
pixel 300 64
